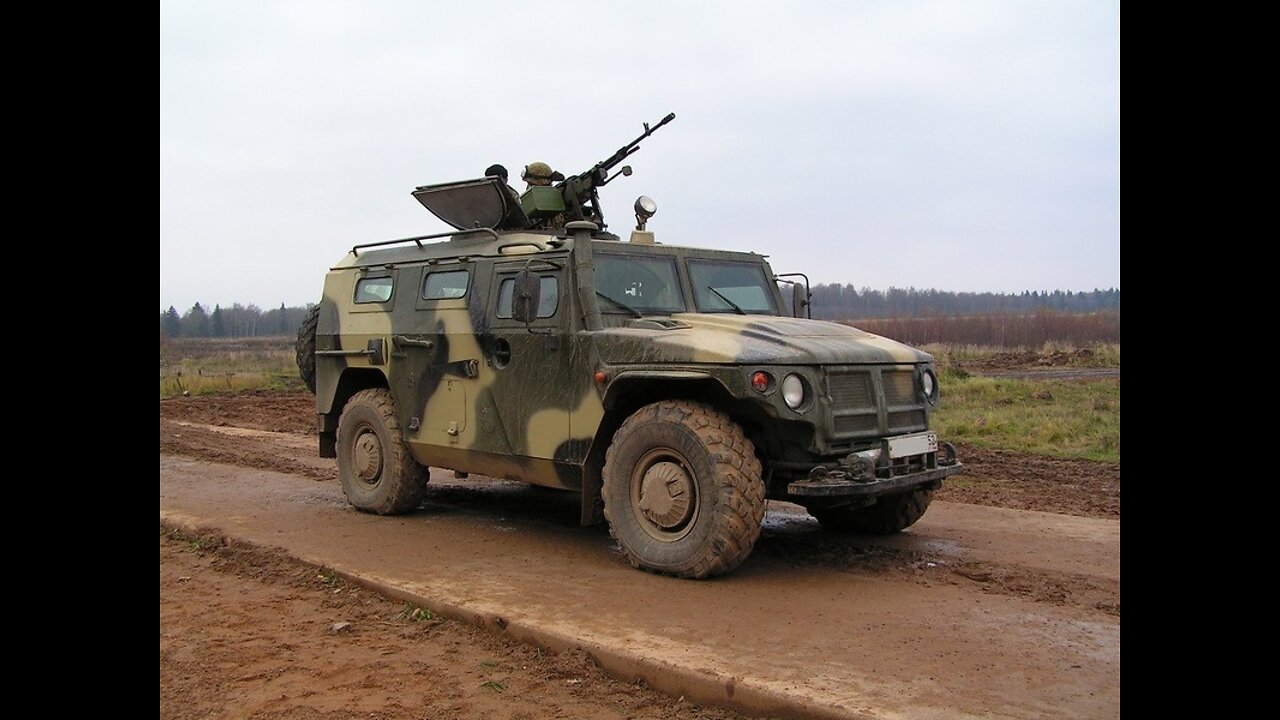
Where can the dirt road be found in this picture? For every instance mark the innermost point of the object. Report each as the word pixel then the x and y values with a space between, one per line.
pixel 979 611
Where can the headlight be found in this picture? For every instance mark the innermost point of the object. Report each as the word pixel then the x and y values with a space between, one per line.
pixel 929 385
pixel 793 391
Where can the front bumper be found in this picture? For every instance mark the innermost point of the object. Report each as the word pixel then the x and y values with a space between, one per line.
pixel 899 465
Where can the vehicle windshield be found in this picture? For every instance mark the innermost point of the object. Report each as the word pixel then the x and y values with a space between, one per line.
pixel 643 284
pixel 726 286
pixel 632 284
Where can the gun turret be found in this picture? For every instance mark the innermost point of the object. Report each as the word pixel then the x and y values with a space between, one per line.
pixel 581 192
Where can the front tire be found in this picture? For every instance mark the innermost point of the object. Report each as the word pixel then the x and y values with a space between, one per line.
pixel 378 473
pixel 890 514
pixel 683 492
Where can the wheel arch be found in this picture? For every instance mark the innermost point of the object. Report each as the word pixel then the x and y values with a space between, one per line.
pixel 632 391
pixel 352 381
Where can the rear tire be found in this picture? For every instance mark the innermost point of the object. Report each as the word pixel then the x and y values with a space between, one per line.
pixel 305 348
pixel 683 492
pixel 378 473
pixel 890 514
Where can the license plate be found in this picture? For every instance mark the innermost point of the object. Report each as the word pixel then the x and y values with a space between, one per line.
pixel 915 444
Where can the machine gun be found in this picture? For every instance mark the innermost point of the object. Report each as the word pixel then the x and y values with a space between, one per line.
pixel 581 192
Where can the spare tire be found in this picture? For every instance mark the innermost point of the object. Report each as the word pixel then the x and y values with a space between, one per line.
pixel 306 348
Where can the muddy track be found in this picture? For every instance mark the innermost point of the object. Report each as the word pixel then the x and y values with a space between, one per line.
pixel 1011 480
pixel 200 427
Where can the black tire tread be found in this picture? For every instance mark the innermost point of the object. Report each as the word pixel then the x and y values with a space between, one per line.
pixel 406 479
pixel 740 510
pixel 890 514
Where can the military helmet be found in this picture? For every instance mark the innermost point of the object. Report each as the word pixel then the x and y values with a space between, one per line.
pixel 536 171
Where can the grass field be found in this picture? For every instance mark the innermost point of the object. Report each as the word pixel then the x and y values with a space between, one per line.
pixel 1078 418
pixel 202 366
pixel 1061 418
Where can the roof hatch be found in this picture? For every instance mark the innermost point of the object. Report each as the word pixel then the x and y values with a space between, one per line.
pixel 470 204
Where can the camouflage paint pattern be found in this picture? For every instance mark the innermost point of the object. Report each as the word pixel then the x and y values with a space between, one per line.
pixel 478 392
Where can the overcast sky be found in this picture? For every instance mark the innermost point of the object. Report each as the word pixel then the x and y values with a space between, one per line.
pixel 953 144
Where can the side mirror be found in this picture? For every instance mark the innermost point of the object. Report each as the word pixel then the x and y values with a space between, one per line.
pixel 799 301
pixel 525 297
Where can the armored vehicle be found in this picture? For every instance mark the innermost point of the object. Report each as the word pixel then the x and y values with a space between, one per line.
pixel 674 388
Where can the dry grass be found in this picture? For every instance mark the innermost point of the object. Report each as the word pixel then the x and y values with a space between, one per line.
pixel 201 366
pixel 1010 331
pixel 952 356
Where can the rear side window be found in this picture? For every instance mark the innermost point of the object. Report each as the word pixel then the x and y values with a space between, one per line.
pixel 548 296
pixel 446 285
pixel 374 289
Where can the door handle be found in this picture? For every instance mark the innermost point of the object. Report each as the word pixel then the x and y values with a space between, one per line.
pixel 405 341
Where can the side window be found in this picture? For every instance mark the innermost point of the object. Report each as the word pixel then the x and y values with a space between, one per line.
pixel 548 300
pixel 446 285
pixel 374 289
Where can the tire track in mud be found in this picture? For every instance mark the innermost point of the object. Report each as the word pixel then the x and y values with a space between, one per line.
pixel 261 449
pixel 804 544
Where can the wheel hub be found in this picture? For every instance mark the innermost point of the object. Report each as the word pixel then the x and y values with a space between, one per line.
pixel 366 457
pixel 666 495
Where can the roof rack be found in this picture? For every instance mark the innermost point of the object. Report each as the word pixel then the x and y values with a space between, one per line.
pixel 355 249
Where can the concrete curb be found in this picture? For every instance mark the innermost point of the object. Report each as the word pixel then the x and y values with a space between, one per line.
pixel 697 685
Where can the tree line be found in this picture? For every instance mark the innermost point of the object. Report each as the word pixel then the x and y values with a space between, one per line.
pixel 235 321
pixel 844 302
pixel 830 302
pixel 1005 330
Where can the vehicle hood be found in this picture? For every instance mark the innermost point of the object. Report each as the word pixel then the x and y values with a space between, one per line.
pixel 748 339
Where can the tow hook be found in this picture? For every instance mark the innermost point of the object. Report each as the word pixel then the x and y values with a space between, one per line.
pixel 948 457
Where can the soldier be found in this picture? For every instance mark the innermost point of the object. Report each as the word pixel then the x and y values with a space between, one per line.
pixel 500 171
pixel 539 173
pixel 496 170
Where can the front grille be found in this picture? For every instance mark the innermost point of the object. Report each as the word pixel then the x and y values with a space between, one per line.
pixel 899 388
pixel 851 390
pixel 855 424
pixel 906 421
pixel 870 401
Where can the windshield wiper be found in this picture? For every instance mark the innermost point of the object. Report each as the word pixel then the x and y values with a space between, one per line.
pixel 732 304
pixel 621 304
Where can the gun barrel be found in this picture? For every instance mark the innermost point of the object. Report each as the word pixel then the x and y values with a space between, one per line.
pixel 630 147
pixel 581 200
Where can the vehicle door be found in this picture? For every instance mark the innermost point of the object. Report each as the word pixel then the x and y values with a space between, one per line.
pixel 436 357
pixel 531 392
